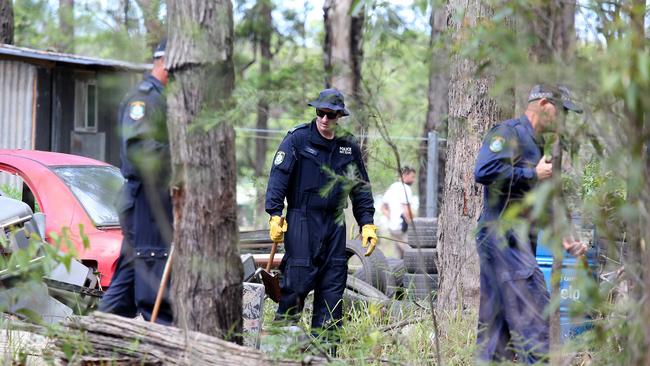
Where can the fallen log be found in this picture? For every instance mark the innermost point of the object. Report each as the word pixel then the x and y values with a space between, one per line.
pixel 108 338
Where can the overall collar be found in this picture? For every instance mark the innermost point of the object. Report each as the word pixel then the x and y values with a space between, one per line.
pixel 317 139
pixel 539 139
pixel 156 83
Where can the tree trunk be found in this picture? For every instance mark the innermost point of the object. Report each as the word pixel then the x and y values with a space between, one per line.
pixel 115 340
pixel 471 113
pixel 638 189
pixel 66 24
pixel 438 104
pixel 554 30
pixel 343 54
pixel 266 23
pixel 6 22
pixel 155 31
pixel 207 272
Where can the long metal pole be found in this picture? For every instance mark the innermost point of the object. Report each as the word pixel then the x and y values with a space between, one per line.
pixel 432 174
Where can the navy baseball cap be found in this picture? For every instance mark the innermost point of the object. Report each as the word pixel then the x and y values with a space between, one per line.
pixel 330 99
pixel 160 49
pixel 557 93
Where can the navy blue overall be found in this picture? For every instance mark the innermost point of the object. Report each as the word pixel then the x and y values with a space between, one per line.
pixel 144 153
pixel 513 291
pixel 315 257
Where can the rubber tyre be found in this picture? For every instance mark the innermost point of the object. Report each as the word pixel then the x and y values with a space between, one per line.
pixel 423 232
pixel 395 276
pixel 421 260
pixel 375 267
pixel 362 288
pixel 420 285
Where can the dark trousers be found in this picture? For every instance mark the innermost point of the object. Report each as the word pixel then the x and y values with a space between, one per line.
pixel 315 259
pixel 120 297
pixel 140 266
pixel 513 300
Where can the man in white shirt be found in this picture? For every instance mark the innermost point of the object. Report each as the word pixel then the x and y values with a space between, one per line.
pixel 396 204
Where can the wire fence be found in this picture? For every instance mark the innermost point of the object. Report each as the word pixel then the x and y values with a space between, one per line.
pixel 423 151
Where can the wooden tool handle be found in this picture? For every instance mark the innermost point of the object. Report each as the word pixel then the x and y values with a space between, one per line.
pixel 163 285
pixel 273 249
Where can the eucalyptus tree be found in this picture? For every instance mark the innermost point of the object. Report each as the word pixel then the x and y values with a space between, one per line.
pixel 66 25
pixel 472 111
pixel 6 22
pixel 343 55
pixel 438 100
pixel 207 281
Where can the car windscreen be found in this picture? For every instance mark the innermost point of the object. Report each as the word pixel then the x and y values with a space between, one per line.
pixel 96 188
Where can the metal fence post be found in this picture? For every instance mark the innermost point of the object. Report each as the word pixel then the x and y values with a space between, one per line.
pixel 432 174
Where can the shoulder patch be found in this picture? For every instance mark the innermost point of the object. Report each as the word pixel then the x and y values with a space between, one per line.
pixel 145 87
pixel 298 127
pixel 136 110
pixel 279 158
pixel 496 143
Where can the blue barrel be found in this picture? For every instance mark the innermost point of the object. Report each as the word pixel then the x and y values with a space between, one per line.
pixel 570 292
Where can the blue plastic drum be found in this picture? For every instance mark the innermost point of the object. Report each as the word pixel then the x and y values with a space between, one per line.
pixel 570 292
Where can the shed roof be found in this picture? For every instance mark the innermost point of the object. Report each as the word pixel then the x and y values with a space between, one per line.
pixel 28 53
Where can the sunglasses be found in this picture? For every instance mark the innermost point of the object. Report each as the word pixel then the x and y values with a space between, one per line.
pixel 330 115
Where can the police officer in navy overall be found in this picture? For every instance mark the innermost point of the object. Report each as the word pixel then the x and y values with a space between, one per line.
pixel 514 296
pixel 309 157
pixel 145 203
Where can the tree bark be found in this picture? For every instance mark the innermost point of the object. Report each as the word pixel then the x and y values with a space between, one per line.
pixel 343 55
pixel 114 340
pixel 265 22
pixel 155 31
pixel 438 105
pixel 66 24
pixel 207 272
pixel 471 113
pixel 638 188
pixel 553 28
pixel 6 22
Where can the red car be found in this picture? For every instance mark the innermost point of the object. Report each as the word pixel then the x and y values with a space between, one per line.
pixel 71 190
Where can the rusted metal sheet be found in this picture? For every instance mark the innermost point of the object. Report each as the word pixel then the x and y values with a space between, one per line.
pixel 8 51
pixel 17 104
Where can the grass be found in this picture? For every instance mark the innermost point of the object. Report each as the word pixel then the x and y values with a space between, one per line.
pixel 369 336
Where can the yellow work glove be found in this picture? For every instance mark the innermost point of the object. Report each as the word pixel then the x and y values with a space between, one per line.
pixel 369 237
pixel 277 228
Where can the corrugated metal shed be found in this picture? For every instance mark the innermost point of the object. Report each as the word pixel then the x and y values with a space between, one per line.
pixel 17 104
pixel 17 109
pixel 23 53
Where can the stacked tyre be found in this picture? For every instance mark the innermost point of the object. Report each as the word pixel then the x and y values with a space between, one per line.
pixel 420 259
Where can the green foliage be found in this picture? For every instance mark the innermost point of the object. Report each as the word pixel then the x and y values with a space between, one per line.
pixel 605 181
pixel 104 30
pixel 11 191
pixel 34 24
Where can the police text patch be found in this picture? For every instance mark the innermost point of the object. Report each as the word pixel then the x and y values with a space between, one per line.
pixel 345 150
pixel 279 158
pixel 136 110
pixel 496 144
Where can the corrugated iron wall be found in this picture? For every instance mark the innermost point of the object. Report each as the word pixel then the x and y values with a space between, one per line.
pixel 17 104
pixel 17 111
